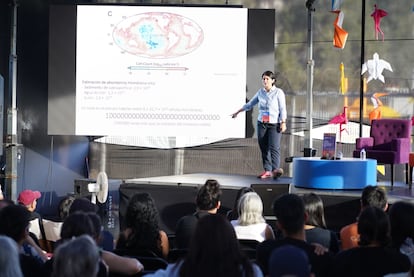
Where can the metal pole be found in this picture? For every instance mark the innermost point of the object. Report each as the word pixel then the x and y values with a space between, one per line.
pixel 11 141
pixel 309 84
pixel 361 83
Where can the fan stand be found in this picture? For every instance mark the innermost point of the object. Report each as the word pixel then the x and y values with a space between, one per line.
pixel 99 189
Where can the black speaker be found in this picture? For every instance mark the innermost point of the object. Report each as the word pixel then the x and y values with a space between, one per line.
pixel 268 193
pixel 80 187
pixel 340 210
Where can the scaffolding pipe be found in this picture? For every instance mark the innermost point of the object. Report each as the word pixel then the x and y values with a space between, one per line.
pixel 361 83
pixel 309 83
pixel 11 140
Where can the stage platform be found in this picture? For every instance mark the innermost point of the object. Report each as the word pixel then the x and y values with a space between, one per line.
pixel 174 195
pixel 400 191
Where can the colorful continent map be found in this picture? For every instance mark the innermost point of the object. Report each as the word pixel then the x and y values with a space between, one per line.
pixel 158 35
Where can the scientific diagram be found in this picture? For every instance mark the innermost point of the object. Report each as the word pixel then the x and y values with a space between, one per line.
pixel 158 35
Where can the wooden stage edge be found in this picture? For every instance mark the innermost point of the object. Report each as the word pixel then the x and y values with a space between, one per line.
pixel 400 191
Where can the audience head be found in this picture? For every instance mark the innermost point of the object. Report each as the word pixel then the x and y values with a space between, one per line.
pixel 314 210
pixel 9 258
pixel 401 216
pixel 75 225
pixel 373 227
pixel 290 213
pixel 214 250
pixel 15 220
pixel 28 198
pixel 82 205
pixel 97 225
pixel 289 260
pixel 250 209
pixel 208 196
pixel 64 206
pixel 76 257
pixel 142 219
pixel 373 196
pixel 233 214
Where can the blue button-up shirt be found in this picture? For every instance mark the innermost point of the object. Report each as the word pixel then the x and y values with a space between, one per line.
pixel 272 102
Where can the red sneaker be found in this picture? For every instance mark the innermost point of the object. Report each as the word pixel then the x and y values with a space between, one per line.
pixel 277 173
pixel 265 175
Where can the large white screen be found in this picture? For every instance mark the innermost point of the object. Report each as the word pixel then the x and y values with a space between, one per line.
pixel 160 71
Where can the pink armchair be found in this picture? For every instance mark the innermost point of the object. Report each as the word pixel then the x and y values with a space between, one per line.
pixel 389 143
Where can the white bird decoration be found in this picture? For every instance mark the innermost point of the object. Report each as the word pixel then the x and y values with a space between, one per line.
pixel 375 68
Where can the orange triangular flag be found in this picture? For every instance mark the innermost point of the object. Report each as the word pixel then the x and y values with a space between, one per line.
pixel 340 35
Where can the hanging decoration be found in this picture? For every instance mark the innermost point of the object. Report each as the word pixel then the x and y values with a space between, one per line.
pixel 343 87
pixel 340 119
pixel 336 5
pixel 375 68
pixel 377 15
pixel 340 35
pixel 376 113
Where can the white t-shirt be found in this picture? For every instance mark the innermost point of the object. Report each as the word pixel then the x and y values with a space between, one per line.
pixel 254 231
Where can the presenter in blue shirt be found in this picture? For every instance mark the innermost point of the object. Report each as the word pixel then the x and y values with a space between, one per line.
pixel 271 123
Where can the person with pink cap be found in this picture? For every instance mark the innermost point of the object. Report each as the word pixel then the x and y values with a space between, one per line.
pixel 28 198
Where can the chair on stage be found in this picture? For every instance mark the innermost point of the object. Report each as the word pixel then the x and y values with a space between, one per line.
pixel 389 143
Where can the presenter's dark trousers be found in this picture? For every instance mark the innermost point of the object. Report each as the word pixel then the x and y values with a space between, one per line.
pixel 269 137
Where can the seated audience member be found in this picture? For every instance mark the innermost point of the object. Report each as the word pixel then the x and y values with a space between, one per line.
pixel 290 213
pixel 142 233
pixel 401 216
pixel 372 196
pixel 64 206
pixel 77 257
pixel 83 205
pixel 106 239
pixel 251 224
pixel 207 202
pixel 289 260
pixel 1 194
pixel 372 258
pixel 28 198
pixel 214 251
pixel 75 225
pixel 15 221
pixel 9 258
pixel 233 214
pixel 116 263
pixel 80 223
pixel 315 225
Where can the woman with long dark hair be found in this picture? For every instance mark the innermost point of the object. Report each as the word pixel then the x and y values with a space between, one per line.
pixel 142 233
pixel 214 252
pixel 315 225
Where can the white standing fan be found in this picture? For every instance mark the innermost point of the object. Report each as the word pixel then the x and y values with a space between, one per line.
pixel 99 189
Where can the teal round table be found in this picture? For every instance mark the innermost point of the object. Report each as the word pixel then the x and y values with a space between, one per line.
pixel 347 173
